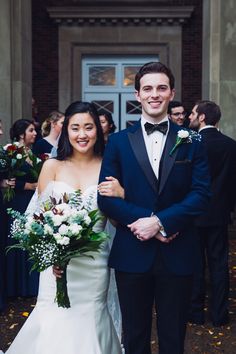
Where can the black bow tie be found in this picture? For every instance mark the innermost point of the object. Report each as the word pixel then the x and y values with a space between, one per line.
pixel 150 128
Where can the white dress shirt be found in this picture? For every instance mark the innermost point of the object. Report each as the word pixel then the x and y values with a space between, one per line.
pixel 154 143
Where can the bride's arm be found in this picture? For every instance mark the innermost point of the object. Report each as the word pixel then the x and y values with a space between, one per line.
pixel 111 188
pixel 47 174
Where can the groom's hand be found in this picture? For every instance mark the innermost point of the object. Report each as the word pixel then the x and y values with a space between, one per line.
pixel 145 228
pixel 164 239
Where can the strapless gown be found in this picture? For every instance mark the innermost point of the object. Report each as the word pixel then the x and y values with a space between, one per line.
pixel 86 327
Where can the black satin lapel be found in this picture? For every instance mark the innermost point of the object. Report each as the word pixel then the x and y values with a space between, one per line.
pixel 168 161
pixel 140 152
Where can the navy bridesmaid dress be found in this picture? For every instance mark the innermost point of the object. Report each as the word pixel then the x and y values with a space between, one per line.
pixel 19 280
pixel 42 146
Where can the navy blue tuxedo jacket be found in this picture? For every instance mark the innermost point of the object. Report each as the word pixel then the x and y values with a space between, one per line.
pixel 180 194
pixel 221 153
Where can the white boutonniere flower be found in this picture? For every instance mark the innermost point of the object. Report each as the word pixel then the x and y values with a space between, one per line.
pixel 185 136
pixel 19 156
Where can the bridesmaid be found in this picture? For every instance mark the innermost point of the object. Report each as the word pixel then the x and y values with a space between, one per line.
pixel 51 129
pixel 20 282
pixel 107 123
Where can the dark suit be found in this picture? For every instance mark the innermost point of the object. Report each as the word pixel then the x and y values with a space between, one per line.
pixel 212 228
pixel 151 269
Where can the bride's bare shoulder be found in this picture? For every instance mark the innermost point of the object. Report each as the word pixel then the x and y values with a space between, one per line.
pixel 49 169
pixel 48 173
pixel 52 163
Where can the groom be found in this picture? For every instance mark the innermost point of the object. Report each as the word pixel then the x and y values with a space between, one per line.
pixel 165 189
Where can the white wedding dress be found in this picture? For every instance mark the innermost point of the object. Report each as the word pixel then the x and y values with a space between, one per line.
pixel 84 328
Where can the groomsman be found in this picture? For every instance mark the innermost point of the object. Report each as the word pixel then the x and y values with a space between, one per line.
pixel 165 178
pixel 177 113
pixel 212 226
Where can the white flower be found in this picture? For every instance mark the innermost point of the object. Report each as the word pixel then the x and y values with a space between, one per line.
pixel 48 213
pixel 28 226
pixel 61 240
pixel 48 229
pixel 87 220
pixel 65 241
pixel 19 156
pixel 75 228
pixel 183 134
pixel 62 207
pixel 16 143
pixel 82 213
pixel 63 229
pixel 57 219
pixel 30 221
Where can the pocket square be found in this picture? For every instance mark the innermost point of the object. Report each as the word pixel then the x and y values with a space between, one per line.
pixel 183 161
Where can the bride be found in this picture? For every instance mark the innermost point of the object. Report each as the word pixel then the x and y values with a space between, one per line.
pixel 86 327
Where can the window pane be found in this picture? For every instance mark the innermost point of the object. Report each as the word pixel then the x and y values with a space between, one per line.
pixel 129 75
pixel 133 107
pixel 102 76
pixel 107 106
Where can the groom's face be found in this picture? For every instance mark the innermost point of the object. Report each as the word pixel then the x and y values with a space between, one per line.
pixel 154 95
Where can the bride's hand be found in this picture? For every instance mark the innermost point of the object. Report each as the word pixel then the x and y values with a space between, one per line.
pixel 111 188
pixel 57 271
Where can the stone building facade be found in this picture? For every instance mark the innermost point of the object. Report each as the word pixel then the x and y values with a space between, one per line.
pixel 47 47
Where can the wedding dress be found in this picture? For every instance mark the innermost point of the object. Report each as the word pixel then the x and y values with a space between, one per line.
pixel 84 328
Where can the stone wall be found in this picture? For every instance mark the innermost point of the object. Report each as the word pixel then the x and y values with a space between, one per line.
pixel 45 51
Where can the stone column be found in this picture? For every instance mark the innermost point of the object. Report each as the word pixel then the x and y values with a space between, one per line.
pixel 219 53
pixel 16 63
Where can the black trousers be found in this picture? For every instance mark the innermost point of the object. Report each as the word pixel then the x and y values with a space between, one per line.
pixel 213 249
pixel 137 294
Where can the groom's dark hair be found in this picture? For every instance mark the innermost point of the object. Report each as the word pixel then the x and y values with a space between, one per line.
pixel 65 149
pixel 153 67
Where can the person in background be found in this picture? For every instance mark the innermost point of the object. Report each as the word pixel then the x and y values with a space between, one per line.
pixel 212 226
pixel 107 123
pixel 177 113
pixel 20 282
pixel 51 129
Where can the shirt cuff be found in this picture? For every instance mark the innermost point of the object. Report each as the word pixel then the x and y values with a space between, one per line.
pixel 162 231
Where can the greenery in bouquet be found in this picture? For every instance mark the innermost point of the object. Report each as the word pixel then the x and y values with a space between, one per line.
pixel 37 163
pixel 59 231
pixel 12 158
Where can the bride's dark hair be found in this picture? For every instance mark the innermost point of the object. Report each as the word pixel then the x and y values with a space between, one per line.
pixel 65 149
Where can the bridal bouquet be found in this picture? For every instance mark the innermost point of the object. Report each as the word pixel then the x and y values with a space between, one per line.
pixel 12 158
pixel 61 230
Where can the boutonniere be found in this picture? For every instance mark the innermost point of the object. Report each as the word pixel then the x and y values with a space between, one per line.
pixel 185 136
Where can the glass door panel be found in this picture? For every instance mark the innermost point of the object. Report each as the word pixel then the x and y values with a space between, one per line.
pixel 130 110
pixel 105 101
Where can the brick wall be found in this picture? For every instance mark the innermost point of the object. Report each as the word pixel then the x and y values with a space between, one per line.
pixel 45 54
